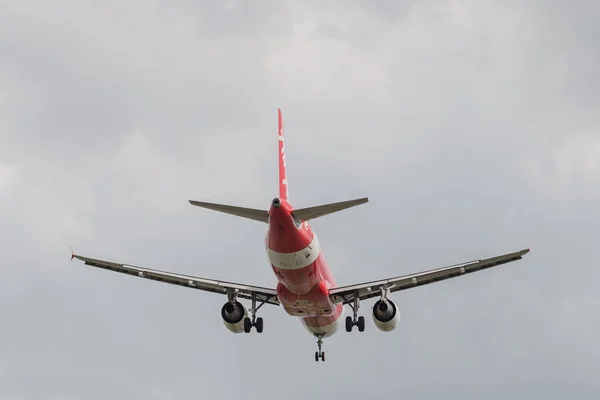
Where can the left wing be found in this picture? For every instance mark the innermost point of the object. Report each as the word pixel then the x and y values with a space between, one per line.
pixel 346 294
pixel 261 294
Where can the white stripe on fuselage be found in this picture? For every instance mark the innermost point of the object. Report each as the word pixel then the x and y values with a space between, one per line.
pixel 297 260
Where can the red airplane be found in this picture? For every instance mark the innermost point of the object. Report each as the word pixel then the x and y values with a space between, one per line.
pixel 306 287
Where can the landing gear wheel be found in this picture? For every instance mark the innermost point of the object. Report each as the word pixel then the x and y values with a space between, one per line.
pixel 247 325
pixel 361 323
pixel 355 320
pixel 259 324
pixel 249 322
pixel 319 354
pixel 349 324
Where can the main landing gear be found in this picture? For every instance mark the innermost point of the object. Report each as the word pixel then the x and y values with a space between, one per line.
pixel 254 322
pixel 319 354
pixel 355 320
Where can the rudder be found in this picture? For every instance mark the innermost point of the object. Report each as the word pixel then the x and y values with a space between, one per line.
pixel 283 182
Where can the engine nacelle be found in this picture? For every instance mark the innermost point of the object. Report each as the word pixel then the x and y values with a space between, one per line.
pixel 233 315
pixel 385 315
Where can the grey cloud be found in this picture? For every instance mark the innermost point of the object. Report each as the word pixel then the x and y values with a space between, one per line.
pixel 471 126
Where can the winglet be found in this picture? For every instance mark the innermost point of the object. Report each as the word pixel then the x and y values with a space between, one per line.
pixel 72 253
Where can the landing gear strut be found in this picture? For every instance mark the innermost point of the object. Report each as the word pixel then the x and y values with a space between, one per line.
pixel 319 354
pixel 254 322
pixel 355 320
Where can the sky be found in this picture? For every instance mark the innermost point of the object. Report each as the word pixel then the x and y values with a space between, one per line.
pixel 472 126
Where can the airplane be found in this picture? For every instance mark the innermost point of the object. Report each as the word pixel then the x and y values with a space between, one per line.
pixel 306 287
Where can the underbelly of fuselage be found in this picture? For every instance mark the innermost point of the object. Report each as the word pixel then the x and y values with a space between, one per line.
pixel 304 293
pixel 314 303
pixel 303 274
pixel 314 308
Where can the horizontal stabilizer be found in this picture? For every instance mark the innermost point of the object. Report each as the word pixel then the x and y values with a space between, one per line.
pixel 305 214
pixel 250 213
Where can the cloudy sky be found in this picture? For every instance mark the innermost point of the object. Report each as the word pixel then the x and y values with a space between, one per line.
pixel 471 125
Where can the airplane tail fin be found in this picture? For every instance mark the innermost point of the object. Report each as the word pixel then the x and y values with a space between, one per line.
pixel 305 214
pixel 250 213
pixel 283 182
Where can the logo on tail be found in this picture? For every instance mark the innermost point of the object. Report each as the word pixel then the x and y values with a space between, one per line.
pixel 283 182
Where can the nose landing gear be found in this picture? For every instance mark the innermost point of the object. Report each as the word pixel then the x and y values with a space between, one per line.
pixel 319 354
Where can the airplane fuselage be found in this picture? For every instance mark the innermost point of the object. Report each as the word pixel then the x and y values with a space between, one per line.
pixel 303 275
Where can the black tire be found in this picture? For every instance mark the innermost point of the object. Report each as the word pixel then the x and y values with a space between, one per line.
pixel 316 356
pixel 349 324
pixel 247 325
pixel 361 323
pixel 259 324
pixel 323 356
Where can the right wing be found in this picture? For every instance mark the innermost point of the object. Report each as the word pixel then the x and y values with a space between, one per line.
pixel 262 295
pixel 363 291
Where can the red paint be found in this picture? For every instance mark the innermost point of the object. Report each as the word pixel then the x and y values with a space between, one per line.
pixel 283 236
pixel 283 189
pixel 303 291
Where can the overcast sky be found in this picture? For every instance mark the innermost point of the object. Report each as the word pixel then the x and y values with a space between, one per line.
pixel 472 126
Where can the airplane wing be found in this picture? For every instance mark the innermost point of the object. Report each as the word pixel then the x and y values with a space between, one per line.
pixel 367 290
pixel 268 296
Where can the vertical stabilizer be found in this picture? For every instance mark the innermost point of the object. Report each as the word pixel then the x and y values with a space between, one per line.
pixel 283 182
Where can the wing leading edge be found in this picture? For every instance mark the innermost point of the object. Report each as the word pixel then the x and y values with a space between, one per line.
pixel 266 295
pixel 367 290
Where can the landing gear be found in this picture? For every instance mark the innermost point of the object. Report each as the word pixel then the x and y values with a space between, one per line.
pixel 259 324
pixel 254 321
pixel 359 322
pixel 319 354
pixel 355 320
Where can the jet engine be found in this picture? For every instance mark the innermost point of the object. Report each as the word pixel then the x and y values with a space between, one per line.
pixel 385 315
pixel 233 315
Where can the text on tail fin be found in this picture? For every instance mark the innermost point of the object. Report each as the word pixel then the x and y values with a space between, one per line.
pixel 283 182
